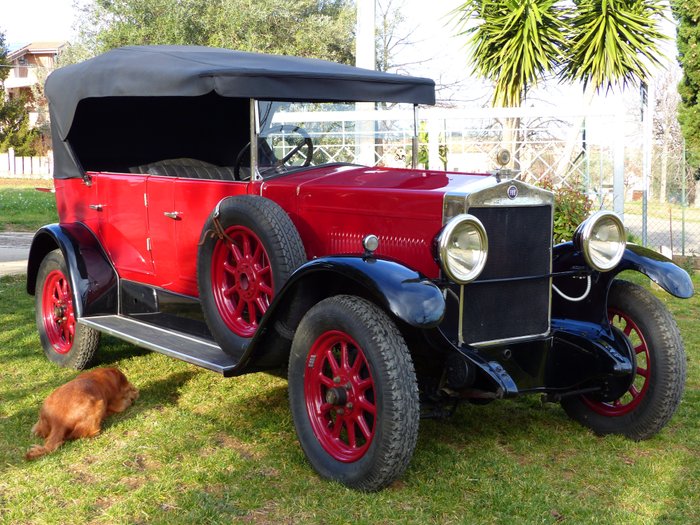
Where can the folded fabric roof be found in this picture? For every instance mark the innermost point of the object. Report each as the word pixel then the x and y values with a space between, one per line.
pixel 182 71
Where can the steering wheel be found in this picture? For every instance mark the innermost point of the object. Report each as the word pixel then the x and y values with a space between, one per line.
pixel 268 153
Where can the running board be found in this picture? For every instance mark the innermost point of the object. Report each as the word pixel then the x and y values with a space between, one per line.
pixel 190 349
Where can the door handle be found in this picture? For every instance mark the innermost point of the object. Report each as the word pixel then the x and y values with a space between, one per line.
pixel 97 207
pixel 175 215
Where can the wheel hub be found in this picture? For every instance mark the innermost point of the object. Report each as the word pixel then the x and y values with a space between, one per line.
pixel 246 278
pixel 339 391
pixel 616 385
pixel 336 396
pixel 59 312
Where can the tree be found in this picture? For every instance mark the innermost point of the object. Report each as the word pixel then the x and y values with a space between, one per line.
pixel 516 42
pixel 14 118
pixel 311 28
pixel 392 37
pixel 601 43
pixel 4 63
pixel 667 134
pixel 688 14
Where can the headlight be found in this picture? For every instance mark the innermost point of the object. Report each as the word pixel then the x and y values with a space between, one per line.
pixel 462 248
pixel 602 240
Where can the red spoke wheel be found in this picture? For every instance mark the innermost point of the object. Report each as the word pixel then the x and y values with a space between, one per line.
pixel 339 392
pixel 64 340
pixel 659 378
pixel 57 311
pixel 242 281
pixel 353 393
pixel 249 248
pixel 639 387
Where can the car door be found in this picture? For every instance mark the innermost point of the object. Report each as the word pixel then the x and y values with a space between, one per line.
pixel 178 208
pixel 163 218
pixel 123 224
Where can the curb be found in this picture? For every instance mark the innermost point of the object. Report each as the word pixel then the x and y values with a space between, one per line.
pixel 13 268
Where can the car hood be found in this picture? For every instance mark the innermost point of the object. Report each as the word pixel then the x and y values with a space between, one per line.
pixel 334 208
pixel 384 179
pixel 374 189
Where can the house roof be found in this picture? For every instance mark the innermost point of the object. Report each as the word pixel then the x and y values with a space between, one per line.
pixel 35 48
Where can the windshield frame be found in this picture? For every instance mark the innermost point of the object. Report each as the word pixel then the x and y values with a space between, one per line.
pixel 256 130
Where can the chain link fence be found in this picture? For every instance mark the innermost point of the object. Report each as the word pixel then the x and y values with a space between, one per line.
pixel 603 154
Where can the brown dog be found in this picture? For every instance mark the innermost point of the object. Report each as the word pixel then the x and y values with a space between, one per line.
pixel 77 409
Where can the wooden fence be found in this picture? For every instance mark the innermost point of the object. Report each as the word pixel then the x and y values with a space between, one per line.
pixel 13 166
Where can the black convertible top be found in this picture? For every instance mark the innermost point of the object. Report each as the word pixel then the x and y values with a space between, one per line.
pixel 189 71
pixel 139 104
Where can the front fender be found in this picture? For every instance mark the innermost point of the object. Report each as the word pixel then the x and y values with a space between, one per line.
pixel 566 258
pixel 92 277
pixel 405 294
pixel 662 270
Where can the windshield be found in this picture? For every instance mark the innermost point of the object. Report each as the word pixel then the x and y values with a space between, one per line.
pixel 297 135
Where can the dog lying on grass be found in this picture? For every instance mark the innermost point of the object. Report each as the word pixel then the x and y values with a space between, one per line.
pixel 77 409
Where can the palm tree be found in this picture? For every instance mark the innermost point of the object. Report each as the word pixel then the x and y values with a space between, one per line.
pixel 601 43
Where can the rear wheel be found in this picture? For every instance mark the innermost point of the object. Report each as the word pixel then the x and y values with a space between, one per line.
pixel 656 390
pixel 65 342
pixel 353 393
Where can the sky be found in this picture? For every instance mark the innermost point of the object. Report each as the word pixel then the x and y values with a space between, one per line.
pixel 435 51
pixel 24 21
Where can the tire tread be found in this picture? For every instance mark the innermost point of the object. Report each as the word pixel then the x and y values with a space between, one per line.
pixel 668 369
pixel 393 366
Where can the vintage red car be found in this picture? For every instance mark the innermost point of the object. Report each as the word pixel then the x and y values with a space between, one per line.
pixel 385 293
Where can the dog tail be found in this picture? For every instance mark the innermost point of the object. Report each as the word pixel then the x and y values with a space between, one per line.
pixel 53 441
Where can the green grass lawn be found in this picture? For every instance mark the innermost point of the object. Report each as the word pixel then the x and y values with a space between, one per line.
pixel 23 208
pixel 664 211
pixel 199 448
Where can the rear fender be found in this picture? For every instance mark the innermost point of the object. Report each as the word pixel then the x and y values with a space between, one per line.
pixel 93 279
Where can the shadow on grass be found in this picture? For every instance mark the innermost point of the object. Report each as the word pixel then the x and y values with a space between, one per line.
pixel 112 350
pixel 153 395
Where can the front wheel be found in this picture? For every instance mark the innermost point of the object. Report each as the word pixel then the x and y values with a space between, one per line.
pixel 353 393
pixel 656 390
pixel 65 342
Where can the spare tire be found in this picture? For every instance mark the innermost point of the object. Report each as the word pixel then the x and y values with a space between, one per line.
pixel 248 250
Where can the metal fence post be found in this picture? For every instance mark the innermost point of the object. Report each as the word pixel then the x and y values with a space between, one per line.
pixel 434 143
pixel 619 164
pixel 684 199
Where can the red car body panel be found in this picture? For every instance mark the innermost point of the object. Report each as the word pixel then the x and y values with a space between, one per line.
pixel 333 208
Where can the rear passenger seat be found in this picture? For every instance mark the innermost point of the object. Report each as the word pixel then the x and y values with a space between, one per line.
pixel 187 168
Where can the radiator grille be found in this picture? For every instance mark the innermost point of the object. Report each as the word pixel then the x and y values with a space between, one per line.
pixel 520 248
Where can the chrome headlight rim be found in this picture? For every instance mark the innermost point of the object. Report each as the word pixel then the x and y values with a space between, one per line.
pixel 584 235
pixel 443 245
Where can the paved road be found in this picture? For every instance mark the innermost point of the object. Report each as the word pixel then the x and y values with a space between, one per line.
pixel 14 250
pixel 659 234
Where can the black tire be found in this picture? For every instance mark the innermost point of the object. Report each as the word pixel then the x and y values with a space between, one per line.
pixel 65 342
pixel 660 377
pixel 357 423
pixel 238 275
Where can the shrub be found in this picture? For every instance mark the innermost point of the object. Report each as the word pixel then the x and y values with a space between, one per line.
pixel 571 207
